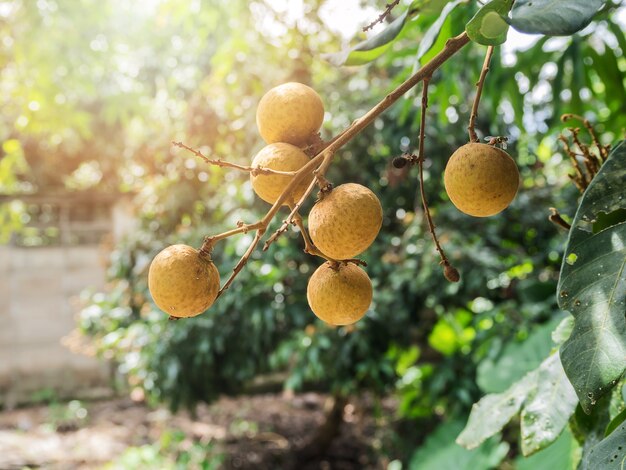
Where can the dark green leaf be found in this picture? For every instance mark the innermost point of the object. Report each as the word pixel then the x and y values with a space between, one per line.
pixel 549 409
pixel 593 287
pixel 610 453
pixel 553 17
pixel 489 26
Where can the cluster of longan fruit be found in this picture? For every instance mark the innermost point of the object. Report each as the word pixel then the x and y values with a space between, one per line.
pixel 480 179
pixel 342 224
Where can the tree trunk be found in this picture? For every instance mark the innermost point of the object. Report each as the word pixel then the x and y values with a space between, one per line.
pixel 328 431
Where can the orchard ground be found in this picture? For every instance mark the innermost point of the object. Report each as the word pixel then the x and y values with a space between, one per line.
pixel 260 431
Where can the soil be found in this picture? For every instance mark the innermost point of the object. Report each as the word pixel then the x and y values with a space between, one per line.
pixel 253 432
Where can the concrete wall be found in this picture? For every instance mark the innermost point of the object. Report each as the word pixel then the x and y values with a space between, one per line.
pixel 38 287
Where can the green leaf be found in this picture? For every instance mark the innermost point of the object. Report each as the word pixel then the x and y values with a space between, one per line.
pixel 592 286
pixel 563 331
pixel 547 400
pixel 441 452
pixel 431 35
pixel 610 453
pixel 547 413
pixel 373 47
pixel 489 25
pixel 615 422
pixel 494 411
pixel 553 17
pixel 517 359
pixel 561 455
pixel 444 33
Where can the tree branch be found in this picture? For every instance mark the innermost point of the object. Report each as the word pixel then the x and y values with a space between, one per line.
pixel 479 89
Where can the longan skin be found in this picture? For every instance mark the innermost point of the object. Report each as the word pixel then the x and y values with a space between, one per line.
pixel 345 222
pixel 291 113
pixel 341 295
pixel 182 282
pixel 481 180
pixel 281 157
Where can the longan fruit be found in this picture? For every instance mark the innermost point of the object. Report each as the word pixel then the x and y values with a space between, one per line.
pixel 291 112
pixel 481 180
pixel 182 281
pixel 339 294
pixel 345 222
pixel 281 157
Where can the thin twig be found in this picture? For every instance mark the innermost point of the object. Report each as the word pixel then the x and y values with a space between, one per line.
pixel 603 149
pixel 578 178
pixel 323 159
pixel 383 15
pixel 250 169
pixel 290 218
pixel 448 268
pixel 209 242
pixel 242 262
pixel 309 246
pixel 556 219
pixel 590 160
pixel 479 89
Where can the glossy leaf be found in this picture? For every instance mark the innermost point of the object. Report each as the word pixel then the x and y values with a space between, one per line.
pixel 546 414
pixel 489 26
pixel 553 17
pixel 593 287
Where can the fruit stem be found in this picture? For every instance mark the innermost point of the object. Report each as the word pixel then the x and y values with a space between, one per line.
pixel 209 242
pixel 324 185
pixel 450 273
pixel 309 246
pixel 242 262
pixel 479 89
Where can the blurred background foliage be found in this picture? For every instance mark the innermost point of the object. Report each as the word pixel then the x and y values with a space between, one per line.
pixel 93 93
